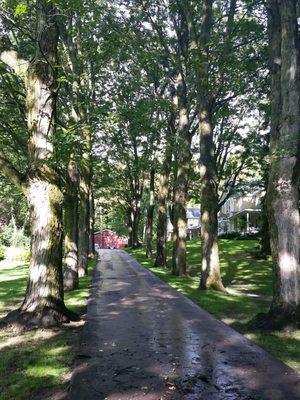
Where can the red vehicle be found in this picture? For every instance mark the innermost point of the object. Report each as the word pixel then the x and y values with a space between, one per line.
pixel 107 239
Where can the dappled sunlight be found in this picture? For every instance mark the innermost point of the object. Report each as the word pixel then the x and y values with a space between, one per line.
pixel 41 358
pixel 37 358
pixel 249 285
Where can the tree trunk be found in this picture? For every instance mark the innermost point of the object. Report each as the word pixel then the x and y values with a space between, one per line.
pixel 265 248
pixel 163 192
pixel 150 213
pixel 91 226
pixel 210 263
pixel 135 227
pixel 162 219
pixel 183 158
pixel 179 216
pixel 283 188
pixel 133 216
pixel 44 303
pixel 71 229
pixel 83 225
pixel 129 225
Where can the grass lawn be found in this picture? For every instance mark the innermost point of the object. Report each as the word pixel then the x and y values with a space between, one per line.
pixel 34 362
pixel 249 285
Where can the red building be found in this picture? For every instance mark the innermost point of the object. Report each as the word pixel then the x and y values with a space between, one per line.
pixel 107 239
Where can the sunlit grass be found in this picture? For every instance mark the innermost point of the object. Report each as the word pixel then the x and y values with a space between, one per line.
pixel 38 360
pixel 249 284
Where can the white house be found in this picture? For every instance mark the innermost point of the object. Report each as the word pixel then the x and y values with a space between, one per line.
pixel 240 213
pixel 193 222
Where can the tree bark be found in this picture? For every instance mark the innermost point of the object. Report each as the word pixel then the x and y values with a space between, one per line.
pixel 83 221
pixel 210 263
pixel 183 158
pixel 136 211
pixel 162 198
pixel 91 226
pixel 129 226
pixel 133 216
pixel 44 302
pixel 150 213
pixel 71 229
pixel 80 116
pixel 283 187
pixel 265 247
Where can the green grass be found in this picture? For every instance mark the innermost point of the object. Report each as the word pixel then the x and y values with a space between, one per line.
pixel 35 362
pixel 249 284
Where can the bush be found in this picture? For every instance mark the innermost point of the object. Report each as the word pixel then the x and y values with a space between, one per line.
pixel 239 236
pixel 26 255
pixel 2 253
pixel 13 253
pixel 11 235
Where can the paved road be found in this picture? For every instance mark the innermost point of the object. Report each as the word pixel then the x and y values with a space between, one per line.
pixel 144 340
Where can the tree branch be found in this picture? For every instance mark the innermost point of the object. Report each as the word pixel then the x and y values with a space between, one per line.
pixel 10 57
pixel 12 173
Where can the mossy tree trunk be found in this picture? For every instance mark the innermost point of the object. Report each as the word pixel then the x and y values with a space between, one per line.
pixel 133 225
pixel 71 229
pixel 129 226
pixel 183 160
pixel 80 116
pixel 210 263
pixel 150 214
pixel 83 219
pixel 179 209
pixel 283 187
pixel 44 302
pixel 265 247
pixel 135 215
pixel 136 184
pixel 162 198
pixel 183 152
pixel 91 225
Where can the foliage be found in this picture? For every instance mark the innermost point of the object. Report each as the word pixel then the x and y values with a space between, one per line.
pixel 2 252
pixel 239 236
pixel 11 235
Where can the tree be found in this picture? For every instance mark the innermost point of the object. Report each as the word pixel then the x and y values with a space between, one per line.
pixel 218 58
pixel 163 194
pixel 44 301
pixel 150 213
pixel 70 226
pixel 79 93
pixel 283 182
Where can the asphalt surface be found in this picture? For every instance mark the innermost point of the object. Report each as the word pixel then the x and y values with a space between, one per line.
pixel 144 340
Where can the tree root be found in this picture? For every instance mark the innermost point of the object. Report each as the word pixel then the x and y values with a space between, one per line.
pixel 45 317
pixel 274 321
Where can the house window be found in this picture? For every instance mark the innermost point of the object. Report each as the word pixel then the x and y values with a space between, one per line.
pixel 229 206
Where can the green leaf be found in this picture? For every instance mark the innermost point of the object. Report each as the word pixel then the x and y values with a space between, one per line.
pixel 21 9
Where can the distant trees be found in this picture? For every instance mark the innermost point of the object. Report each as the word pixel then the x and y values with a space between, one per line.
pixel 203 55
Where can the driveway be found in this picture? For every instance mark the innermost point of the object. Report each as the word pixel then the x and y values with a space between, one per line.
pixel 144 340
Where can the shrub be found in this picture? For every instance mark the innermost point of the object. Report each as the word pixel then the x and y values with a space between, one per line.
pixel 11 235
pixel 239 236
pixel 2 253
pixel 13 253
pixel 26 255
